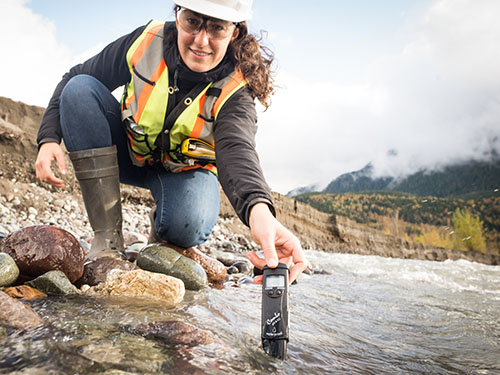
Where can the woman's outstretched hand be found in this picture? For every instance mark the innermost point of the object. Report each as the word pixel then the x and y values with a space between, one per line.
pixel 278 243
pixel 46 155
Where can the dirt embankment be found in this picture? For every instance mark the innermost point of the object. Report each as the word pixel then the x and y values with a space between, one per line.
pixel 316 230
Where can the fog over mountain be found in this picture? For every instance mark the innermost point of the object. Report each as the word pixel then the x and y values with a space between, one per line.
pixel 458 179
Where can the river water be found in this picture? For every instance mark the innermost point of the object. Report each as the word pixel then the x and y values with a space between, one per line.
pixel 371 315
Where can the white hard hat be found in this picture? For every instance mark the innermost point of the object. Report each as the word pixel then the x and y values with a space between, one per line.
pixel 228 10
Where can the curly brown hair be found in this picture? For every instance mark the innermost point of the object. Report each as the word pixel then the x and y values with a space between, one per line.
pixel 254 60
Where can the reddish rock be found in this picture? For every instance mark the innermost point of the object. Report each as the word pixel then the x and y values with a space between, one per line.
pixel 175 333
pixel 96 271
pixel 16 314
pixel 41 248
pixel 216 272
pixel 24 292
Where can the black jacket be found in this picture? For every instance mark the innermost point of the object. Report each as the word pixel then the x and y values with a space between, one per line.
pixel 238 165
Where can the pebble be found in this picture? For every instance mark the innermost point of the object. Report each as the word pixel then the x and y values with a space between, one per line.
pixel 9 272
pixel 175 333
pixel 53 282
pixel 58 203
pixel 24 292
pixel 244 267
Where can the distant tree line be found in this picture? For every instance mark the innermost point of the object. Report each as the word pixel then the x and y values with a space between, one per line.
pixel 473 177
pixel 425 219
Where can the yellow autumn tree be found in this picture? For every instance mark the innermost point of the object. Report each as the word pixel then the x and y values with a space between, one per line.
pixel 468 231
pixel 435 238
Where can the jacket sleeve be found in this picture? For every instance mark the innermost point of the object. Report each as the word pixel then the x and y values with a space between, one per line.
pixel 238 166
pixel 109 67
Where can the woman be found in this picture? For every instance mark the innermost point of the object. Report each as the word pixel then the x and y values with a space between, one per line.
pixel 189 85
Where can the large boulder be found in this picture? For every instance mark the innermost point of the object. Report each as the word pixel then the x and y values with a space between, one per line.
pixel 166 260
pixel 41 248
pixel 16 314
pixel 140 283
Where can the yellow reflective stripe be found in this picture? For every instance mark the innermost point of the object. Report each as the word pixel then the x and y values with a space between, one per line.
pixel 148 102
pixel 155 108
pixel 129 88
pixel 237 82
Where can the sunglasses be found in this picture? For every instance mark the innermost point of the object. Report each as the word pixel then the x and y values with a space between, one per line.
pixel 192 23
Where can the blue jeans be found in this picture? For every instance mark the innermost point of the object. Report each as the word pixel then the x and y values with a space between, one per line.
pixel 187 202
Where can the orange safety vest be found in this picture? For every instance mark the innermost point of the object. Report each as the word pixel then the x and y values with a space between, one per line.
pixel 152 132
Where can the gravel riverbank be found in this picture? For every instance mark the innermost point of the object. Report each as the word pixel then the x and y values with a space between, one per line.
pixel 26 204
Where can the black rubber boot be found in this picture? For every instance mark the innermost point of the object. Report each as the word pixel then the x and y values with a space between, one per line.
pixel 97 172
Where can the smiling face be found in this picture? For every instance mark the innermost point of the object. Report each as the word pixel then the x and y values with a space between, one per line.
pixel 200 51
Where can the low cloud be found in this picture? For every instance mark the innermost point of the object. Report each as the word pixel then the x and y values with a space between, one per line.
pixel 435 102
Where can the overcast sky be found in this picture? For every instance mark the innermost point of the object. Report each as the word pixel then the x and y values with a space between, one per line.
pixel 403 84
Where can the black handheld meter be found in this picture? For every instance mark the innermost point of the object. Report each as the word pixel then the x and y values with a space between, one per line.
pixel 275 314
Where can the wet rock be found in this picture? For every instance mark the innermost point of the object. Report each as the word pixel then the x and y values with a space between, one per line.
pixel 243 241
pixel 53 282
pixel 140 283
pixel 132 251
pixel 175 333
pixel 41 248
pixel 166 260
pixel 226 260
pixel 228 246
pixel 317 271
pixel 24 292
pixel 16 314
pixel 245 280
pixel 102 352
pixel 96 271
pixel 9 272
pixel 244 267
pixel 216 272
pixel 232 269
pixel 308 270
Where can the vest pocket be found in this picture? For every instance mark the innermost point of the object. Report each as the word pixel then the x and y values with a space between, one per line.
pixel 141 77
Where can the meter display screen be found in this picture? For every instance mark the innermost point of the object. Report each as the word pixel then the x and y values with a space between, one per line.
pixel 275 281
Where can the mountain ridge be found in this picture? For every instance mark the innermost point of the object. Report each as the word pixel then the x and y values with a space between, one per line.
pixel 454 180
